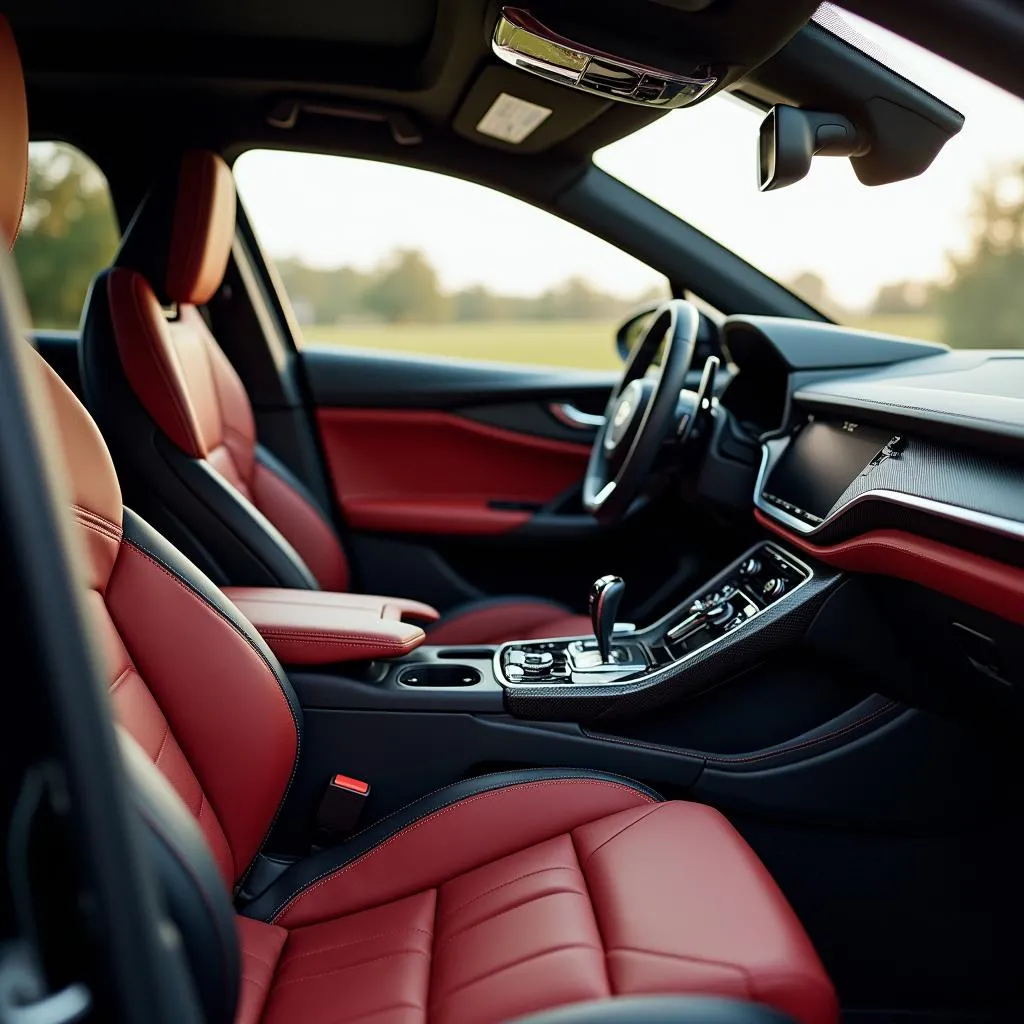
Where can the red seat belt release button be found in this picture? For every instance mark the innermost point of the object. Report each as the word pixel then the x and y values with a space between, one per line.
pixel 341 806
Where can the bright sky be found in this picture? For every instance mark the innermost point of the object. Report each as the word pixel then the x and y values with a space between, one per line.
pixel 698 162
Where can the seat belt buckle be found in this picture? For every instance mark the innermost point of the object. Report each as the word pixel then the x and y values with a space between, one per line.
pixel 340 808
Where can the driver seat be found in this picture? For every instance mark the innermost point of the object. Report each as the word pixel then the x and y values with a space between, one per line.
pixel 180 426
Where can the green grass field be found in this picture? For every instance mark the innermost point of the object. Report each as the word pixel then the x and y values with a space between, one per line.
pixel 584 344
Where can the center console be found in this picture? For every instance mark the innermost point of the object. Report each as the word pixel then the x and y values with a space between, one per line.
pixel 353 651
pixel 745 591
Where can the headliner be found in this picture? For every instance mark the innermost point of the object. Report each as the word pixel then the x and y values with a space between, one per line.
pixel 376 23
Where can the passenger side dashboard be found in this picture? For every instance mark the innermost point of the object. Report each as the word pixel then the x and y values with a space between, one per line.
pixel 891 458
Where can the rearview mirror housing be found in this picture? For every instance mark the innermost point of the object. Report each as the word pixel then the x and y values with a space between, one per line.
pixel 790 138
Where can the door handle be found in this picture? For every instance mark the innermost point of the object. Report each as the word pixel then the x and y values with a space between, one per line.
pixel 568 415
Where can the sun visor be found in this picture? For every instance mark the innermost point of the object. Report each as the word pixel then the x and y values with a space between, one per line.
pixel 513 111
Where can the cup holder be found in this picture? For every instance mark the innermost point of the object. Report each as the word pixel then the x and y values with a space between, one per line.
pixel 439 675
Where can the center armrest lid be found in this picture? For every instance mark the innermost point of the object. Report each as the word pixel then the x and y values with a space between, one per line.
pixel 315 627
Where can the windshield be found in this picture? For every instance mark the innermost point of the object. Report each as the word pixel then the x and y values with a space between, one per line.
pixel 940 256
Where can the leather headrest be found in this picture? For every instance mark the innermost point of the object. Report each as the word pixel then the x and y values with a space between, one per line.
pixel 180 238
pixel 13 136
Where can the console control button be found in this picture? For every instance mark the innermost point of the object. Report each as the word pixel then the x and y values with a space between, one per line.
pixel 720 612
pixel 750 567
pixel 774 587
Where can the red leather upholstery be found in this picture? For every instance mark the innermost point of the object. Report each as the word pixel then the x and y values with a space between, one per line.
pixel 190 389
pixel 202 230
pixel 424 471
pixel 493 622
pixel 974 579
pixel 13 136
pixel 169 654
pixel 517 898
pixel 260 946
pixel 312 627
pixel 538 895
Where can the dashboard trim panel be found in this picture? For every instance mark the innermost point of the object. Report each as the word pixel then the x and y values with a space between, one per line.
pixel 771 451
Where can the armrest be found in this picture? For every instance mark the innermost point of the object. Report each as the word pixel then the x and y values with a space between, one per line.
pixel 315 627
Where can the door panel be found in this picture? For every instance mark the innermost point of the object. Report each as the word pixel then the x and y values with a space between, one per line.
pixel 430 471
pixel 456 480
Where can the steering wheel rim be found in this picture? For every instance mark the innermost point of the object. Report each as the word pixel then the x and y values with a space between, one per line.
pixel 640 412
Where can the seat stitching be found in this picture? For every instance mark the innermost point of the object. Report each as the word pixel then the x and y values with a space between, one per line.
pixel 625 828
pixel 376 1013
pixel 118 682
pixel 508 910
pixel 248 954
pixel 357 942
pixel 273 675
pixel 421 822
pixel 502 885
pixel 686 957
pixel 163 743
pixel 517 963
pixel 635 788
pixel 593 911
pixel 348 967
pixel 298 635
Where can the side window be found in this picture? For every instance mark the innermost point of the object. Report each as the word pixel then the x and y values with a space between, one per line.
pixel 380 256
pixel 68 234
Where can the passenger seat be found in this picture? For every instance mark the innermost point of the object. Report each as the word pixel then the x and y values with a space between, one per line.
pixel 180 425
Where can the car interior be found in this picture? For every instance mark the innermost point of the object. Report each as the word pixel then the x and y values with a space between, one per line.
pixel 353 686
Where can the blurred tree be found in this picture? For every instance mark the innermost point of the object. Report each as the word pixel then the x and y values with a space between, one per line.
pixel 904 297
pixel 983 306
pixel 407 290
pixel 811 287
pixel 68 234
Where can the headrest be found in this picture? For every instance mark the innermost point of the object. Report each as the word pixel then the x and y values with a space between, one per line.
pixel 180 237
pixel 13 136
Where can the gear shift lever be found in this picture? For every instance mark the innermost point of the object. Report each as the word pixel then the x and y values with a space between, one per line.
pixel 605 598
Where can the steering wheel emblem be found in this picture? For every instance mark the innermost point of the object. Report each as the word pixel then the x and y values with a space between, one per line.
pixel 625 410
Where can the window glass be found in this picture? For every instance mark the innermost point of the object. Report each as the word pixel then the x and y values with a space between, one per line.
pixel 68 233
pixel 937 256
pixel 380 256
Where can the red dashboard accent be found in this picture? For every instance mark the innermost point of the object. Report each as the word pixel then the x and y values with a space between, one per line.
pixel 974 579
pixel 424 471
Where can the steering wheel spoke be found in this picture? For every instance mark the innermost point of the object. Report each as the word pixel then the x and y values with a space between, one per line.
pixel 642 412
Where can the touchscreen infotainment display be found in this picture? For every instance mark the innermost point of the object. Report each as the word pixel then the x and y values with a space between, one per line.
pixel 820 463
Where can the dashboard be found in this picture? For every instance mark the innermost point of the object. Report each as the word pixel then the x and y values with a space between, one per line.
pixel 870 444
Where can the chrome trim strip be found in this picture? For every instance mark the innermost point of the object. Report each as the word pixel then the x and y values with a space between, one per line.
pixel 658 670
pixel 772 449
pixel 568 415
pixel 524 42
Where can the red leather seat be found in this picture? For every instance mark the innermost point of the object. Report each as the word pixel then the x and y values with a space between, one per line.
pixel 497 896
pixel 181 427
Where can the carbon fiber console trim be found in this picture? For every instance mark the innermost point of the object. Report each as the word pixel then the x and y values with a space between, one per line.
pixel 779 625
pixel 932 489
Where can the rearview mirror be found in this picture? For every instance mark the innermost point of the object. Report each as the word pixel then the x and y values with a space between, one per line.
pixel 790 137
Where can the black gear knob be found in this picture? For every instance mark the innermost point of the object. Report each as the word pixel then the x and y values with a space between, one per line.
pixel 605 598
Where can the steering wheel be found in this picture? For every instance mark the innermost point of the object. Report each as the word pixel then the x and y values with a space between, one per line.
pixel 644 408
